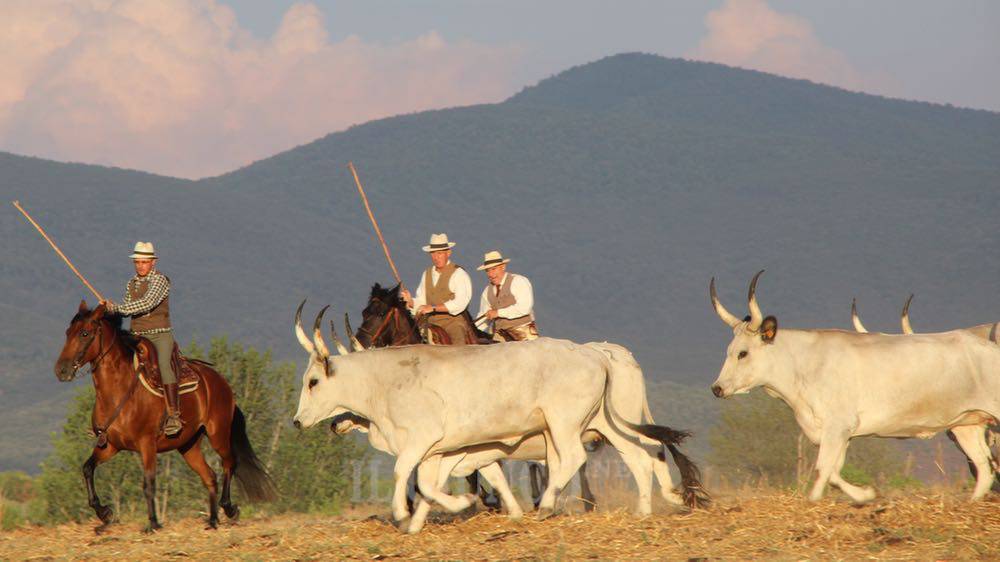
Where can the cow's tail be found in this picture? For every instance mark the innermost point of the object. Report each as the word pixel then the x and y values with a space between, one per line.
pixel 250 472
pixel 693 492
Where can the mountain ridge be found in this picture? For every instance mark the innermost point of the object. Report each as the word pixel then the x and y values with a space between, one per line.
pixel 618 215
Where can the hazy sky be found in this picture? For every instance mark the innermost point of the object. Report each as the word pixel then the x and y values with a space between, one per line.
pixel 199 87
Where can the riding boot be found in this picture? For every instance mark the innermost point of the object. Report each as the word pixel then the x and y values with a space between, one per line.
pixel 173 425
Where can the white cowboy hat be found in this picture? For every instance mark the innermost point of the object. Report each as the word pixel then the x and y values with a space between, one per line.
pixel 492 259
pixel 439 242
pixel 143 251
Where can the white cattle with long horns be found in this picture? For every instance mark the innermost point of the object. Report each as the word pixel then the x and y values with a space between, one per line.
pixel 841 384
pixel 630 401
pixel 428 401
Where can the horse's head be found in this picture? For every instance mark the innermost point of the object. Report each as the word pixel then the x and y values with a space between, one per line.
pixel 84 330
pixel 377 326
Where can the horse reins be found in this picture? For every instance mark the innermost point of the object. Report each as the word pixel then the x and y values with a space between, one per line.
pixel 392 315
pixel 101 431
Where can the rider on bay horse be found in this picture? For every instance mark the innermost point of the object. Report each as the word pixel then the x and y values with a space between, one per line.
pixel 444 292
pixel 147 302
pixel 506 306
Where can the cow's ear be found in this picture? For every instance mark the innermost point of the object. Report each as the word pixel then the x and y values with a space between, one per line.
pixel 769 329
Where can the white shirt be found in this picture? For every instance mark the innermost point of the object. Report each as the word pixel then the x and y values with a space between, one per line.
pixel 520 288
pixel 460 284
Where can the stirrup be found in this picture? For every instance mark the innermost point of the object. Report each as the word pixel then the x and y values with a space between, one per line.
pixel 173 425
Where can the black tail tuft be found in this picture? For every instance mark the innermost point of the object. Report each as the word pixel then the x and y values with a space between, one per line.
pixel 253 477
pixel 663 434
pixel 694 493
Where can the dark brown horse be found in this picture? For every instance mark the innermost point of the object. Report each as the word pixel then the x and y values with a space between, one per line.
pixel 387 322
pixel 127 418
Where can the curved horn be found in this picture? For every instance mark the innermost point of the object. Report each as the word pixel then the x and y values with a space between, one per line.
pixel 300 333
pixel 336 340
pixel 858 326
pixel 355 344
pixel 724 314
pixel 756 317
pixel 905 318
pixel 321 348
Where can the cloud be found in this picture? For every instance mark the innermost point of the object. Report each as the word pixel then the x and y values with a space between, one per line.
pixel 178 87
pixel 749 34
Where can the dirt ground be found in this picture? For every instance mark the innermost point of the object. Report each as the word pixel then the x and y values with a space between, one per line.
pixel 769 525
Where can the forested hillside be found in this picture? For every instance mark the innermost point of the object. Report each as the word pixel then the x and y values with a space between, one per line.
pixel 620 187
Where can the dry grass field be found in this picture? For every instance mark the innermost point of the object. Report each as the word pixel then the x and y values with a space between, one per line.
pixel 773 525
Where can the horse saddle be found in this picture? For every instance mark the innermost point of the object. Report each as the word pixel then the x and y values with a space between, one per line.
pixel 146 363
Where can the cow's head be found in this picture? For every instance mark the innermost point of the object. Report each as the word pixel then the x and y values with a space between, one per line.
pixel 318 399
pixel 749 357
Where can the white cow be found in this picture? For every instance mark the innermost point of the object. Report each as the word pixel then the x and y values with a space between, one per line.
pixel 987 332
pixel 842 384
pixel 629 399
pixel 431 400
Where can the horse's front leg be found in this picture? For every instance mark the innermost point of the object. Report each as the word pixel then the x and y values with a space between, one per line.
pixel 148 452
pixel 103 512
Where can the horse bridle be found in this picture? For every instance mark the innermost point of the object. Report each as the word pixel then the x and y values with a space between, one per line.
pixel 391 315
pixel 98 333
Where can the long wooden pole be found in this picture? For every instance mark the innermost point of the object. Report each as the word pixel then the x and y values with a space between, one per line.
pixel 58 251
pixel 378 231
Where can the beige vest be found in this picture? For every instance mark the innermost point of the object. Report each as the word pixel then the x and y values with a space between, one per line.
pixel 502 300
pixel 438 294
pixel 157 318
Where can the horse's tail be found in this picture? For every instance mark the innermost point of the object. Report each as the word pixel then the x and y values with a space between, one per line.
pixel 253 477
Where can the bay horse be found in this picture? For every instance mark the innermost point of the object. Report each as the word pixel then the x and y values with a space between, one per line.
pixel 126 418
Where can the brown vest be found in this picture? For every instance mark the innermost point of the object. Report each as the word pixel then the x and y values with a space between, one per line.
pixel 503 300
pixel 157 318
pixel 439 293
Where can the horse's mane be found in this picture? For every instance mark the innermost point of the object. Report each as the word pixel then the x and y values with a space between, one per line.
pixel 388 295
pixel 130 341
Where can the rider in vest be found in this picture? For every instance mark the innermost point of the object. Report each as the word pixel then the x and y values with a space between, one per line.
pixel 505 309
pixel 147 302
pixel 444 291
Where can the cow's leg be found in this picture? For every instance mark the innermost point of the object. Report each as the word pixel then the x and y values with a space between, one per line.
pixel 569 456
pixel 636 458
pixel 493 473
pixel 832 447
pixel 423 505
pixel 662 472
pixel 427 478
pixel 972 439
pixel 858 494
pixel 405 463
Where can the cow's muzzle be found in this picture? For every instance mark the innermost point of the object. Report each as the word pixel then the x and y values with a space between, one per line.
pixel 717 391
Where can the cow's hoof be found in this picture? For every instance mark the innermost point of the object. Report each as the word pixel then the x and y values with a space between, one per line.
pixel 866 496
pixel 545 513
pixel 403 524
pixel 151 528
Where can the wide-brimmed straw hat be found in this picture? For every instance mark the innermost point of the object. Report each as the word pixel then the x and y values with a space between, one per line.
pixel 439 242
pixel 143 251
pixel 492 259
